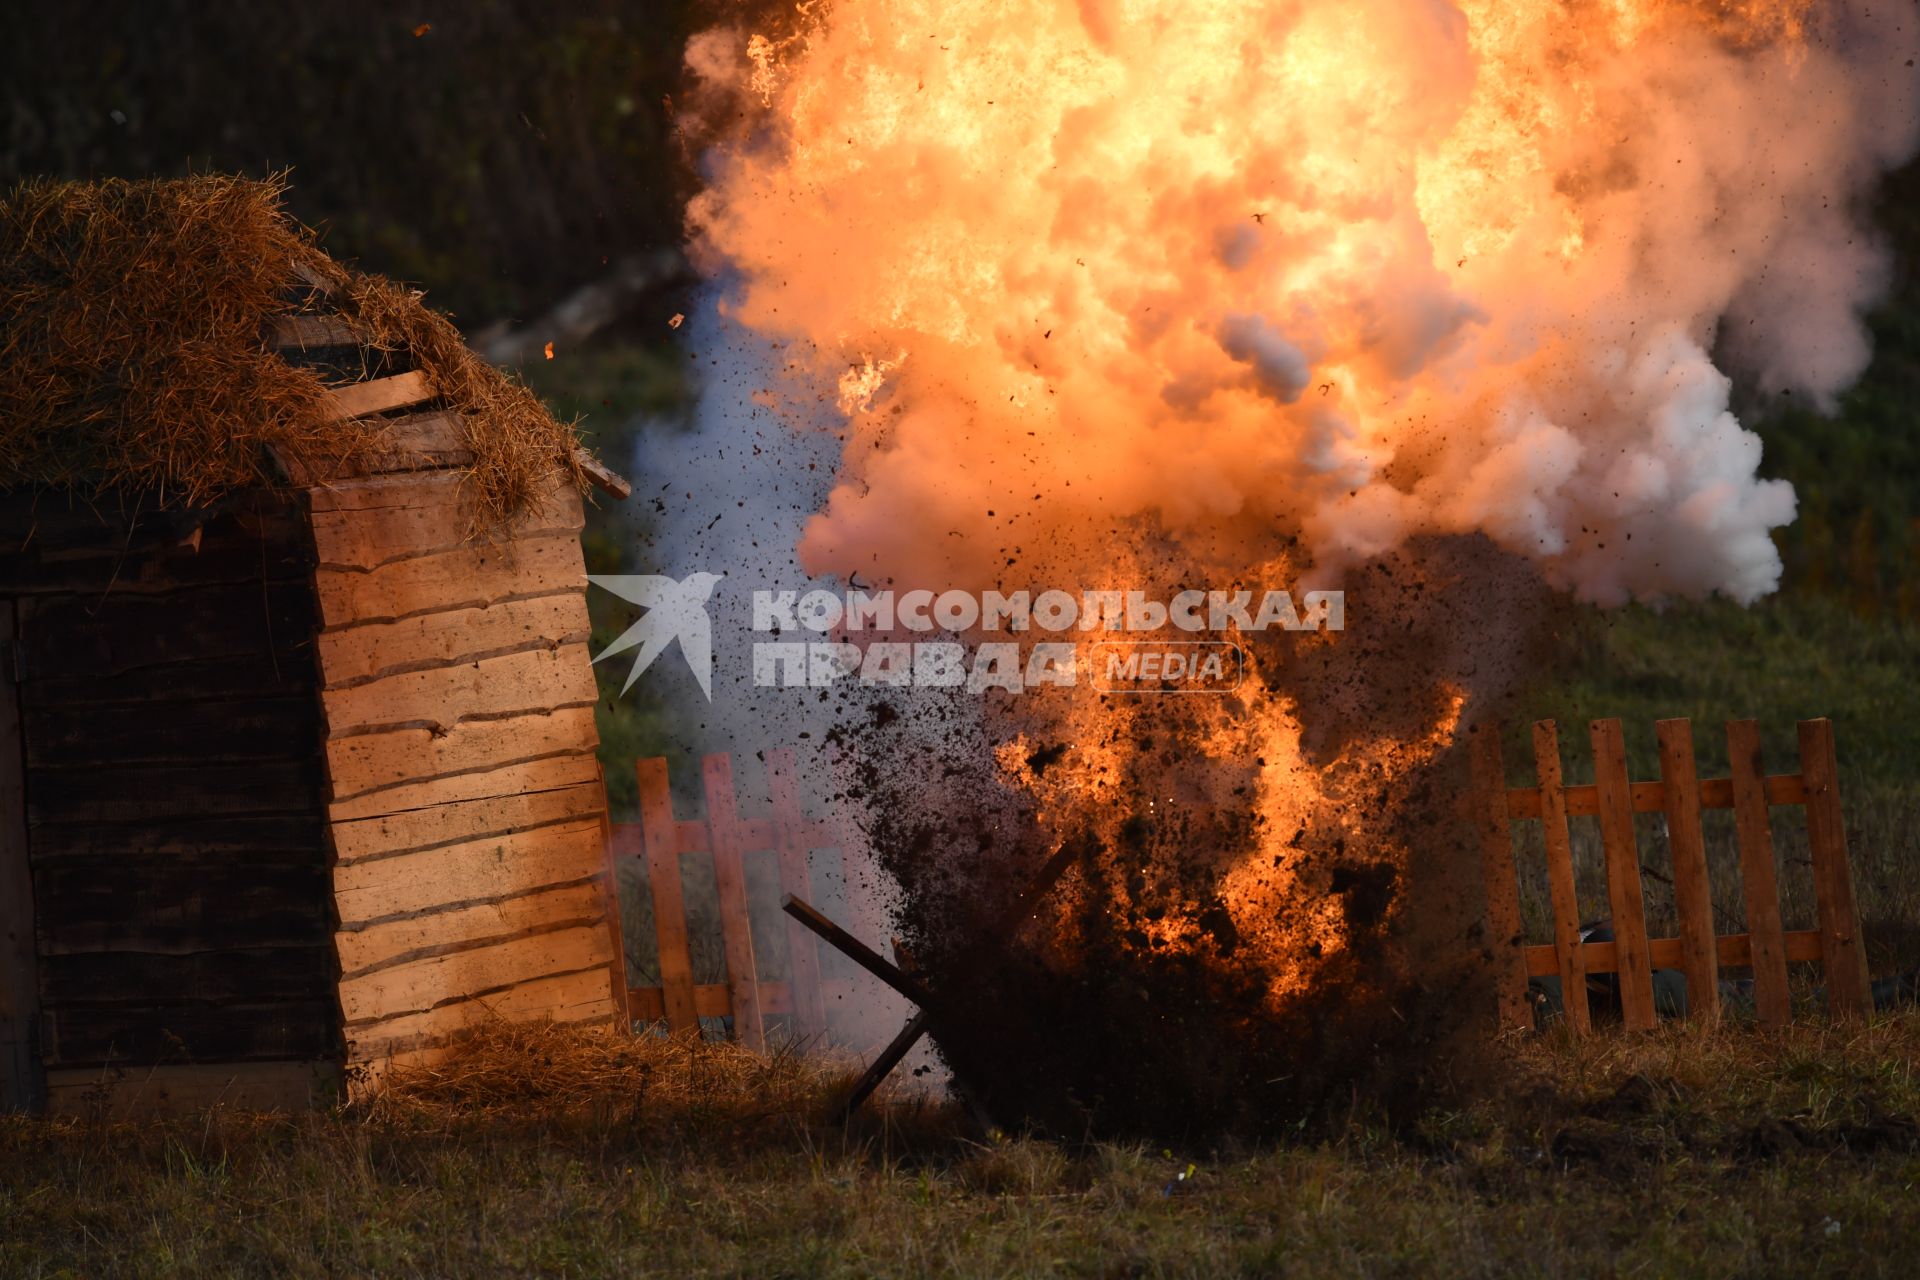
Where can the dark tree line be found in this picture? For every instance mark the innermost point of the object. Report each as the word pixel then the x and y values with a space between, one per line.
pixel 499 150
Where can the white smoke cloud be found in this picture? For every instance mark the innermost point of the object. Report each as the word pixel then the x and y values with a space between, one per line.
pixel 1356 272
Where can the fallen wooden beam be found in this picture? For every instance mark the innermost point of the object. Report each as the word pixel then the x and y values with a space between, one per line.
pixel 358 399
pixel 604 479
pixel 870 960
pixel 882 1066
pixel 854 949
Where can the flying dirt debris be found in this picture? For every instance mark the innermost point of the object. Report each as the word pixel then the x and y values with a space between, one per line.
pixel 1460 361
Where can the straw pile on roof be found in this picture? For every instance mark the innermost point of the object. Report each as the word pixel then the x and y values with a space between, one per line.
pixel 133 356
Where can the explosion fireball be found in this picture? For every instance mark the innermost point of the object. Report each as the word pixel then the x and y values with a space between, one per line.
pixel 1420 298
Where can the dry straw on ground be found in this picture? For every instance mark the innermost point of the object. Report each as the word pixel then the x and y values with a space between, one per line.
pixel 133 358
pixel 506 1069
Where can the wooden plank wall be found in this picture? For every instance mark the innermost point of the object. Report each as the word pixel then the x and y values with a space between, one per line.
pixel 22 1079
pixel 173 788
pixel 466 802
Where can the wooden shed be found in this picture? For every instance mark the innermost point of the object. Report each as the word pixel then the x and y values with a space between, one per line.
pixel 297 779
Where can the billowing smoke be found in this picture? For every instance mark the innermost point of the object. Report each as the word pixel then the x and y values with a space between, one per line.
pixel 1360 272
pixel 1417 298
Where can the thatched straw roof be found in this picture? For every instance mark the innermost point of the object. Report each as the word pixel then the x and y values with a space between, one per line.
pixel 134 358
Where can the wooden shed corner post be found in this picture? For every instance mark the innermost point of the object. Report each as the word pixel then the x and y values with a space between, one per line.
pixel 22 1078
pixel 1843 952
pixel 467 804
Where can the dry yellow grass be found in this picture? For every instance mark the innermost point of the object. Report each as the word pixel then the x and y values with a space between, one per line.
pixel 551 1152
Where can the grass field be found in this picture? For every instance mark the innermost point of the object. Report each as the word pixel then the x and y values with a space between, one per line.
pixel 545 1152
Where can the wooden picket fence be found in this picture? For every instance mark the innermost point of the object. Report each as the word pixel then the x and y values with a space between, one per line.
pixel 727 837
pixel 1682 796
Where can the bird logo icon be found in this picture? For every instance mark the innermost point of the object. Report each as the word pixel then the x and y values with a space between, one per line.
pixel 674 611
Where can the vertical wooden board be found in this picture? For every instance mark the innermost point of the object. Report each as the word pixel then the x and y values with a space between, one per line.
pixel 610 903
pixel 790 830
pixel 1759 882
pixel 22 1085
pixel 1843 952
pixel 1692 891
pixel 730 878
pixel 1503 886
pixel 861 875
pixel 1623 874
pixel 1566 899
pixel 661 836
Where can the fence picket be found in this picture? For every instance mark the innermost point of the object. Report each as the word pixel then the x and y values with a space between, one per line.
pixel 1692 891
pixel 1623 875
pixel 1843 956
pixel 1502 885
pixel 1566 899
pixel 730 879
pixel 661 836
pixel 1759 882
pixel 790 830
